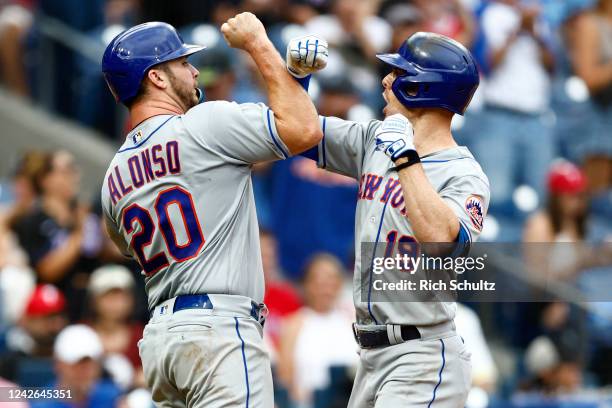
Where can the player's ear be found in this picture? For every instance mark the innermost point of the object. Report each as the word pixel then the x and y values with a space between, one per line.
pixel 158 77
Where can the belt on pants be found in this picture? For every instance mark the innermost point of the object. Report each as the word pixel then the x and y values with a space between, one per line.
pixel 203 301
pixel 382 336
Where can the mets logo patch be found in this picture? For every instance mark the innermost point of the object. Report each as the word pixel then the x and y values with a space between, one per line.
pixel 473 206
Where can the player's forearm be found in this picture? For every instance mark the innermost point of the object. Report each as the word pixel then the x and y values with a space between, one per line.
pixel 431 219
pixel 296 118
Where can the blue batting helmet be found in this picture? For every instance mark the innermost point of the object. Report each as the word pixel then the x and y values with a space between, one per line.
pixel 130 54
pixel 439 73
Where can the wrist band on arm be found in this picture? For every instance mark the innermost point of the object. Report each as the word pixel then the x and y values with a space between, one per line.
pixel 305 81
pixel 413 158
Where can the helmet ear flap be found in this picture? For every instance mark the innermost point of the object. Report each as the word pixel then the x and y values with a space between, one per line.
pixel 406 90
pixel 111 88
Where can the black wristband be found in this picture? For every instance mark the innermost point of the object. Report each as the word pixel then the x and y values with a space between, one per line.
pixel 413 158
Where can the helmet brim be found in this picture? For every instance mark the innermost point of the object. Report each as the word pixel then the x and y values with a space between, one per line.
pixel 185 51
pixel 396 60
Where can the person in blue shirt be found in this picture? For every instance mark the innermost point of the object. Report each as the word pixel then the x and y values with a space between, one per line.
pixel 78 352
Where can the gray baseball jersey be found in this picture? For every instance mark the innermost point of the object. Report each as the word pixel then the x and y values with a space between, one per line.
pixel 349 148
pixel 179 192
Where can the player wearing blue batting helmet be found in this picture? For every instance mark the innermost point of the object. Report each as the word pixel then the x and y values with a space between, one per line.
pixel 133 52
pixel 433 71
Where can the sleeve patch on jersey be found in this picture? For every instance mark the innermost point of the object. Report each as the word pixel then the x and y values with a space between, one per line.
pixel 473 206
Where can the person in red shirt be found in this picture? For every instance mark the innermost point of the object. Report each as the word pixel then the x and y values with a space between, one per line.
pixel 28 360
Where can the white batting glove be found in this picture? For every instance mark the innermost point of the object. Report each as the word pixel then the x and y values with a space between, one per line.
pixel 395 136
pixel 306 55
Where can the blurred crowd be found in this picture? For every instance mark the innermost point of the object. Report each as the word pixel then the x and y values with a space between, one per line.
pixel 73 309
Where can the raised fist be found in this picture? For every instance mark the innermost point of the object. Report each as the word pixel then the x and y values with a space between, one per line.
pixel 306 55
pixel 243 30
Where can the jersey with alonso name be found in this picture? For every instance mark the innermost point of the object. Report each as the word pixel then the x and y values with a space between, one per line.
pixel 179 193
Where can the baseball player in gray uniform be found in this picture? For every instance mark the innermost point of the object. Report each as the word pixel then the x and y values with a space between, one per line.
pixel 415 185
pixel 178 197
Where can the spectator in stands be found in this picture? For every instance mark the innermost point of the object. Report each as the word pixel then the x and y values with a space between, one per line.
pixel 269 11
pixel 338 96
pixel 120 11
pixel 78 352
pixel 354 29
pixel 16 18
pixel 564 220
pixel 591 49
pixel 515 143
pixel 556 253
pixel 450 18
pixel 306 356
pixel 553 370
pixel 111 290
pixel 30 344
pixel 94 106
pixel 16 278
pixel 281 298
pixel 61 73
pixel 60 236
pixel 24 189
pixel 405 19
pixel 217 76
pixel 250 86
pixel 557 250
pixel 300 11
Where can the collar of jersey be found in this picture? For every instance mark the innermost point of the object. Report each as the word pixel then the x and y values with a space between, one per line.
pixel 143 141
pixel 444 155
